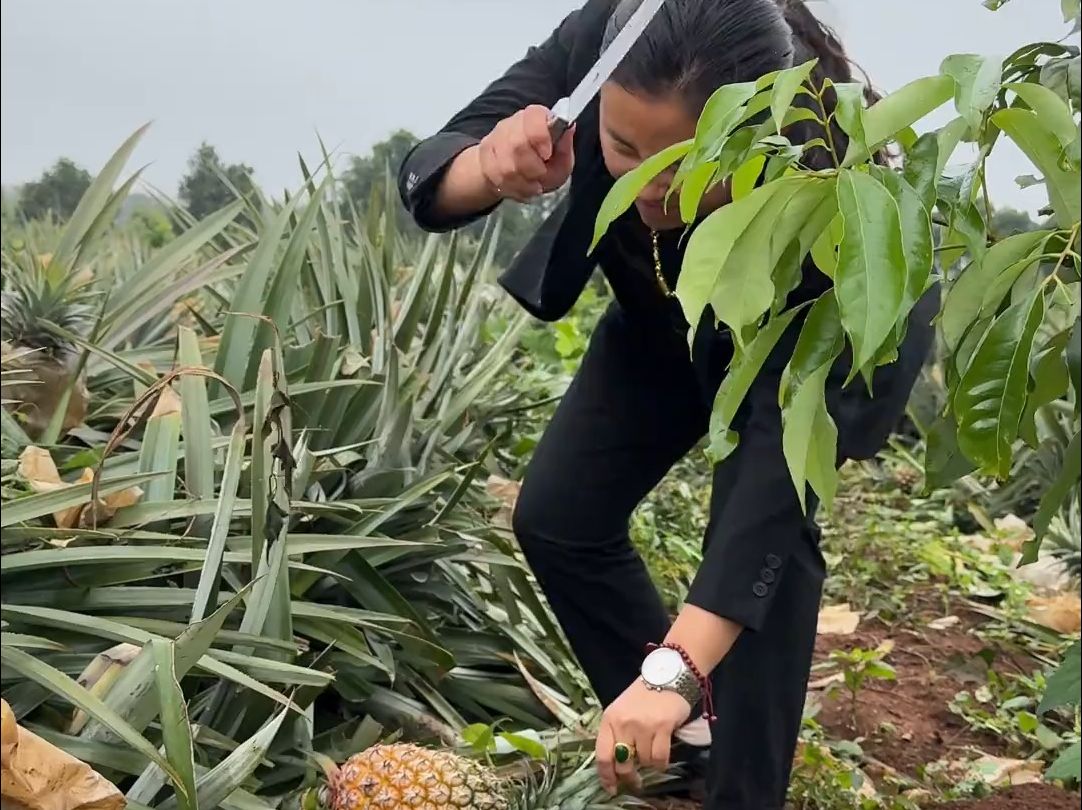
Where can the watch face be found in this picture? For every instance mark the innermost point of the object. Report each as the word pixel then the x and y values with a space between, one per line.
pixel 662 666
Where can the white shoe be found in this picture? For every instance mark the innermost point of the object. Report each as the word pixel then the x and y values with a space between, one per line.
pixel 696 733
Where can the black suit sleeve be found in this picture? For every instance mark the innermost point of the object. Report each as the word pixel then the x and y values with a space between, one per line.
pixel 757 530
pixel 540 77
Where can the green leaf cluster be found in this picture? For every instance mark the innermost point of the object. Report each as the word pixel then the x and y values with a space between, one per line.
pixel 882 233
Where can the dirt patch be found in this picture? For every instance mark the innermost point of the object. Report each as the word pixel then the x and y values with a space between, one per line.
pixel 1030 797
pixel 907 723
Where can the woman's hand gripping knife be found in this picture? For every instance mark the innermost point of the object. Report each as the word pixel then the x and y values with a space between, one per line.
pixel 517 160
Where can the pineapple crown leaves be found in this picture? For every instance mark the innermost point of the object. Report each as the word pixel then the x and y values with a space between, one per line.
pixel 323 762
pixel 318 798
pixel 36 293
pixel 314 799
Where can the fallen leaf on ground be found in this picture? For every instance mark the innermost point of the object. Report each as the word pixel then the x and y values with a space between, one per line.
pixel 86 517
pixel 1001 772
pixel 944 623
pixel 1048 574
pixel 1061 613
pixel 506 492
pixel 823 683
pixel 503 489
pixel 1013 531
pixel 838 620
pixel 979 542
pixel 36 465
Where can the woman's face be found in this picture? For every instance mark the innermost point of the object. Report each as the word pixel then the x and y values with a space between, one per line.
pixel 636 126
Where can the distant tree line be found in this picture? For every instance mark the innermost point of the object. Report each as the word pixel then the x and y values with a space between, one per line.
pixel 210 183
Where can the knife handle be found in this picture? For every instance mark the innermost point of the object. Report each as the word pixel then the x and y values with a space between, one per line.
pixel 558 120
pixel 557 128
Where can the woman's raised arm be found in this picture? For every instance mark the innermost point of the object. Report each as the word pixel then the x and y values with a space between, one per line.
pixel 443 181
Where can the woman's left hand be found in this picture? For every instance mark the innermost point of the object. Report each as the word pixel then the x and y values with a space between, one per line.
pixel 645 720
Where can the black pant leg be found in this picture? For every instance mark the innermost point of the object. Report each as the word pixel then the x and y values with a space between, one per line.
pixel 632 411
pixel 760 686
pixel 759 693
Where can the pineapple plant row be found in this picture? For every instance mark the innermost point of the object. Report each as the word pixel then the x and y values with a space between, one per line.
pixel 44 308
pixel 270 494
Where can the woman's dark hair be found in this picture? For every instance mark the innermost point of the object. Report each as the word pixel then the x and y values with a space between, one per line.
pixel 693 47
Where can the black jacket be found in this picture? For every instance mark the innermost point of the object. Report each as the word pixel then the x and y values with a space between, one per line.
pixel 549 274
pixel 551 271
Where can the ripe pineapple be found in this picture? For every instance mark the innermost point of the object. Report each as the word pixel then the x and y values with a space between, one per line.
pixel 907 477
pixel 401 776
pixel 38 364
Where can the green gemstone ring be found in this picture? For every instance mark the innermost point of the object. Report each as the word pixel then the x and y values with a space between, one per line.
pixel 622 752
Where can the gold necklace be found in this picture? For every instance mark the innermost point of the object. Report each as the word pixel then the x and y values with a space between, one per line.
pixel 657 268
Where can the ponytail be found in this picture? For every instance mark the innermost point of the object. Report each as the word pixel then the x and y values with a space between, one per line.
pixel 812 39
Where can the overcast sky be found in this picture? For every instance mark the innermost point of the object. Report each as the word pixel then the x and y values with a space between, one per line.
pixel 261 78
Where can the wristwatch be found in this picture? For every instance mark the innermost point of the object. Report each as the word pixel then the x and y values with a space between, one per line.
pixel 664 670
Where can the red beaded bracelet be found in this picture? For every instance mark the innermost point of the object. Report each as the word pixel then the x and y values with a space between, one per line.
pixel 705 684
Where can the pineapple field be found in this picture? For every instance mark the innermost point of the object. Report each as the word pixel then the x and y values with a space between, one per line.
pixel 257 469
pixel 256 547
pixel 207 583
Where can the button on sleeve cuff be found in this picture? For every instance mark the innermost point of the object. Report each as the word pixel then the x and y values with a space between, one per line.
pixel 742 590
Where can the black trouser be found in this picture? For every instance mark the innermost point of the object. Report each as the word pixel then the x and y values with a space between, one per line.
pixel 635 407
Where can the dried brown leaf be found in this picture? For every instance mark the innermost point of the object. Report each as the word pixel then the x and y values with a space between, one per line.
pixel 1062 613
pixel 1002 771
pixel 506 492
pixel 168 403
pixel 36 775
pixel 36 465
pixel 838 620
pixel 944 623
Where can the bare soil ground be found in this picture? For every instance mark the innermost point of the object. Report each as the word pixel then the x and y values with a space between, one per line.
pixel 1021 797
pixel 907 723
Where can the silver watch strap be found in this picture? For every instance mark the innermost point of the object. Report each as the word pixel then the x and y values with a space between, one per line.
pixel 686 685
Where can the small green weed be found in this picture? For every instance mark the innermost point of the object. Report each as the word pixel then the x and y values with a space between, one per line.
pixel 858 667
pixel 827 775
pixel 1008 706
